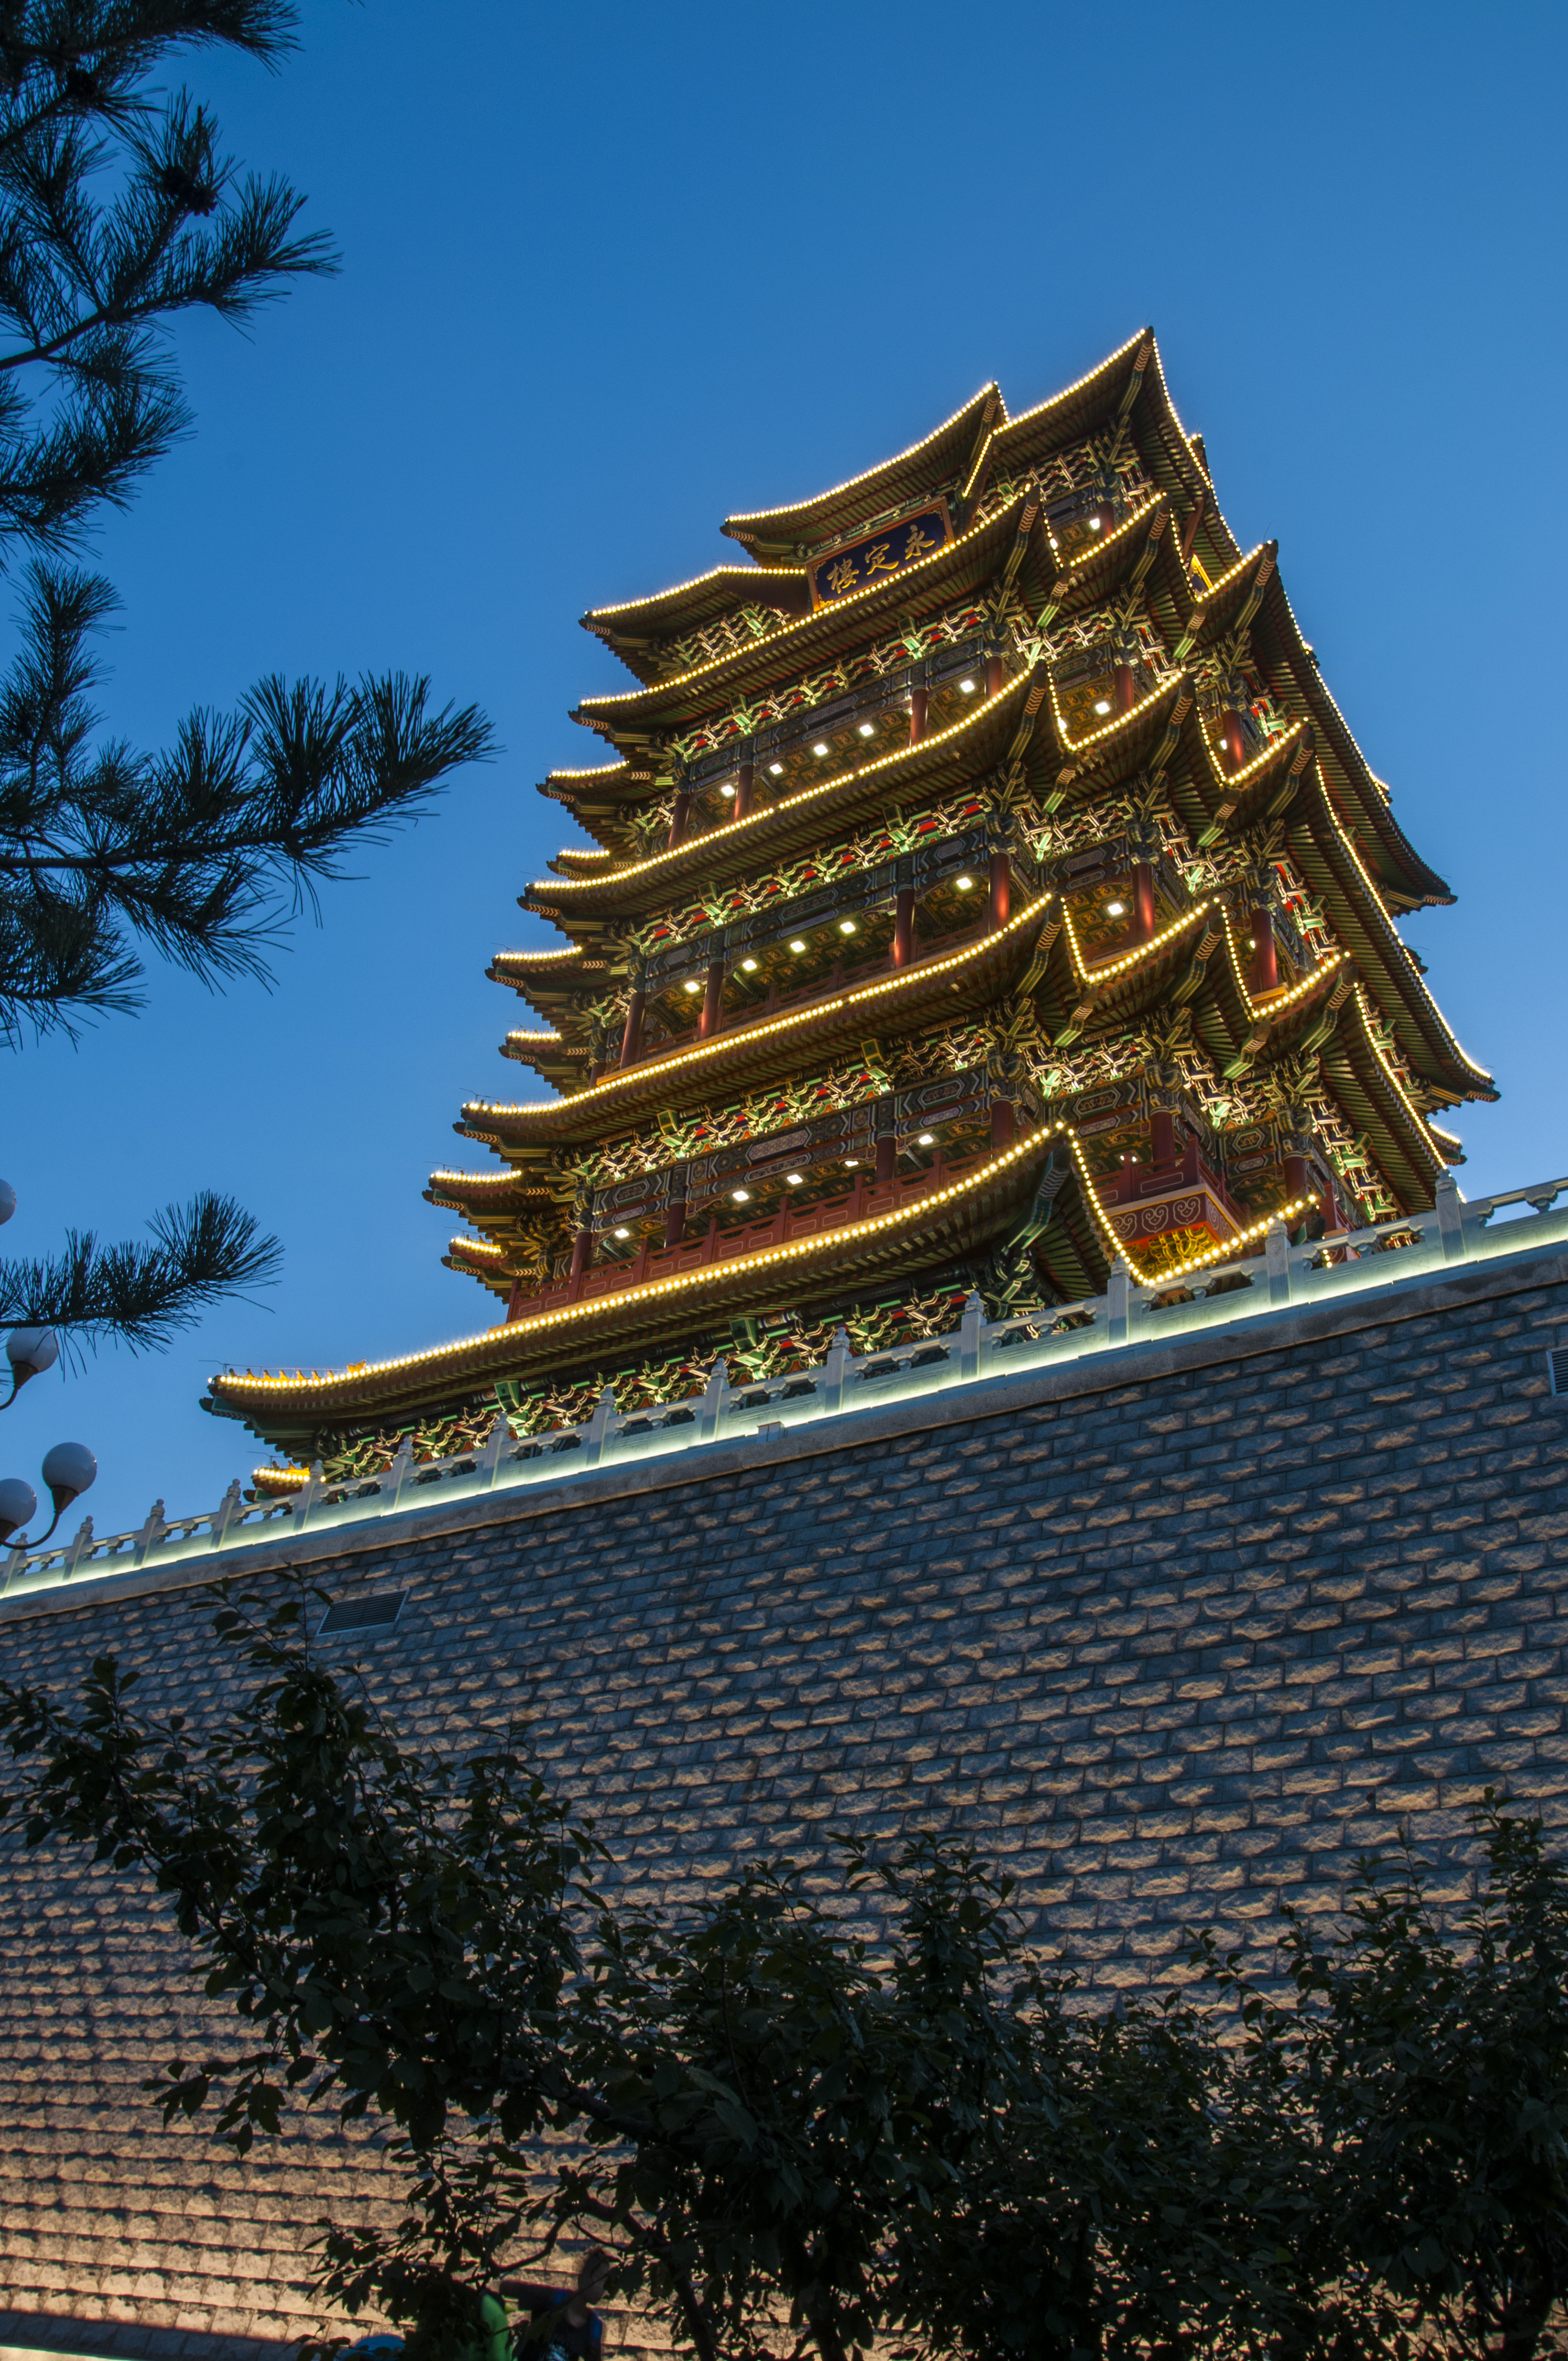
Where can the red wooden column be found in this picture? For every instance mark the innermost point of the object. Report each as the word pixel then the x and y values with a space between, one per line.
pixel 676 1219
pixel 744 778
pixel 1233 740
pixel 1126 690
pixel 1162 1136
pixel 1264 973
pixel 916 715
pixel 632 1040
pixel 1001 889
pixel 1003 1125
pixel 1143 901
pixel 679 817
pixel 995 675
pixel 583 1249
pixel 711 1011
pixel 903 927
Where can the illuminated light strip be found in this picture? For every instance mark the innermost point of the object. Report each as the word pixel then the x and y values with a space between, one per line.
pixel 882 468
pixel 474 1246
pixel 541 958
pixel 1328 693
pixel 474 1180
pixel 1076 746
pixel 1417 1117
pixel 741 574
pixel 1279 999
pixel 1109 541
pixel 1145 335
pixel 585 853
pixel 594 770
pixel 729 830
pixel 1252 555
pixel 544 1039
pixel 974 473
pixel 1227 1252
pixel 902 980
pixel 1130 959
pixel 1414 978
pixel 792 1249
pixel 1240 778
pixel 774 643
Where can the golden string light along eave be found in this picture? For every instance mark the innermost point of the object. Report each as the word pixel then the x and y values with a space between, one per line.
pixel 1413 977
pixel 1095 556
pixel 789 1250
pixel 729 830
pixel 1078 747
pixel 901 981
pixel 595 706
pixel 1143 336
pixel 1273 1003
pixel 745 574
pixel 1414 1112
pixel 883 467
pixel 1226 1250
pixel 1243 778
pixel 1133 958
pixel 1249 557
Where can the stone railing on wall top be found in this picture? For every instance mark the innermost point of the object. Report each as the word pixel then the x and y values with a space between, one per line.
pixel 1128 1314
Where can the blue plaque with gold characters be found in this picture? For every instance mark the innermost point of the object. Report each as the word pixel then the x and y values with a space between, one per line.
pixel 859 564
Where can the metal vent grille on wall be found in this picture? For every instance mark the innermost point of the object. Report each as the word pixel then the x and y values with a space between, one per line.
pixel 1557 1370
pixel 380 1612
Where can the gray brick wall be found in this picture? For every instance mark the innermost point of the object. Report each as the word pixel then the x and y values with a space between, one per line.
pixel 1173 1634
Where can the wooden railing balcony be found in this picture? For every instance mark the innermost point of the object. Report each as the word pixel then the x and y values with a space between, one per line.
pixel 868 1196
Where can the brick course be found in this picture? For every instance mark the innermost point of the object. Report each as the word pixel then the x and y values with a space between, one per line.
pixel 1174 1634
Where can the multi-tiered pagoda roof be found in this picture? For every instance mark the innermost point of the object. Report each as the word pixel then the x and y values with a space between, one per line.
pixel 983 886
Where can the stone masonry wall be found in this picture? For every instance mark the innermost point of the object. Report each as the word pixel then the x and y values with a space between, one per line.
pixel 1171 1633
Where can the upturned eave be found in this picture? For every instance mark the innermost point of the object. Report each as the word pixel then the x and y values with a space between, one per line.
pixel 833 516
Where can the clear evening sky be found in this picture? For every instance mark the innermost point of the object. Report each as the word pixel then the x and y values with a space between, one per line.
pixel 612 273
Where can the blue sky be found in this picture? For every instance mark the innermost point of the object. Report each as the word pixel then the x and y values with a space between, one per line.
pixel 610 274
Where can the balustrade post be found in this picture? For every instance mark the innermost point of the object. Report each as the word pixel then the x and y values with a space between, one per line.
pixel 1118 1302
pixel 715 1401
pixel 598 1428
pixel 495 1444
pixel 399 1474
pixel 970 1327
pixel 228 1509
pixel 306 1497
pixel 150 1534
pixel 83 1545
pixel 833 1371
pixel 1277 1260
pixel 1450 1208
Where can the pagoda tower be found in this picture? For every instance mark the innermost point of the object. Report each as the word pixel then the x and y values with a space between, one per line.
pixel 984 885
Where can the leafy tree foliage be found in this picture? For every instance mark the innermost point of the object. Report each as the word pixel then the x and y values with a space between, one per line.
pixel 858 2102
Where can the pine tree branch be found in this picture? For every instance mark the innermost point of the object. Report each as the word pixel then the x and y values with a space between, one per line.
pixel 141 1295
pixel 204 850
